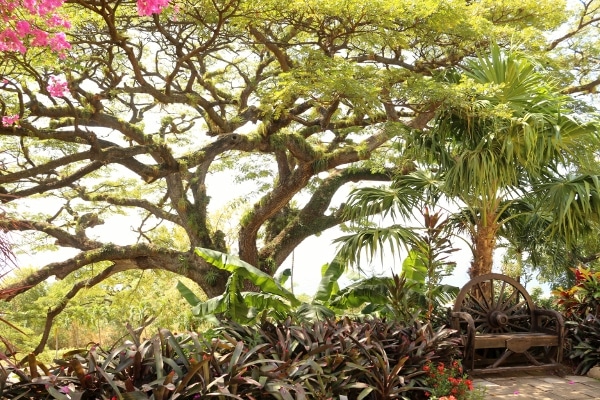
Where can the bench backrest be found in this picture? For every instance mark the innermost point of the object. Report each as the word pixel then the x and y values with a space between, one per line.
pixel 498 304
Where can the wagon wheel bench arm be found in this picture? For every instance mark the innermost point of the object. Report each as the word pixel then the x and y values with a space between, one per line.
pixel 552 314
pixel 461 315
pixel 555 316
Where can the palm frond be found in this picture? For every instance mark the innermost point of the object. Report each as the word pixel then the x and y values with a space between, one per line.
pixel 371 241
pixel 573 202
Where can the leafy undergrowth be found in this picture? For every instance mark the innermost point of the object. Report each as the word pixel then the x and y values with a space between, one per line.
pixel 353 359
pixel 580 304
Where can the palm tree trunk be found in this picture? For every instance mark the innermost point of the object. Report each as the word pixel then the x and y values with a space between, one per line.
pixel 485 243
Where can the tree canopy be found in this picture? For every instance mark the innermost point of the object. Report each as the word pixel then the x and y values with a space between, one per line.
pixel 147 114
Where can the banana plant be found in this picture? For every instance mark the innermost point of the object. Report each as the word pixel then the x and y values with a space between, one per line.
pixel 241 306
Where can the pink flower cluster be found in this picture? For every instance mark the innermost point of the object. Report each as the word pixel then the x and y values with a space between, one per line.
pixel 19 33
pixel 149 7
pixel 57 87
pixel 9 120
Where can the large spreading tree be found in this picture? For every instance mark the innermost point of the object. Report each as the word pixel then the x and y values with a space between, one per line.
pixel 299 98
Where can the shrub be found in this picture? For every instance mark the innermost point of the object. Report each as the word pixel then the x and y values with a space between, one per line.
pixel 370 359
pixel 581 306
pixel 583 298
pixel 445 380
pixel 584 338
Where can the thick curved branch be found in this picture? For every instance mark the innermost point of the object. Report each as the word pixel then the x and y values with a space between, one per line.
pixel 102 150
pixel 267 207
pixel 397 61
pixel 284 61
pixel 312 218
pixel 107 252
pixel 63 238
pixel 587 88
pixel 203 158
pixel 44 168
pixel 270 204
pixel 129 202
pixel 108 153
pixel 582 24
pixel 300 148
pixel 98 119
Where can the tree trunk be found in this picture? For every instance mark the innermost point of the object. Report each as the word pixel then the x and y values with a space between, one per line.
pixel 485 243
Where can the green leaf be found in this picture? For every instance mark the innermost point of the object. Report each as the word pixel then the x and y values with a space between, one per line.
pixel 209 307
pixel 187 294
pixel 158 358
pixel 56 394
pixel 111 382
pixel 265 301
pixel 370 290
pixel 414 267
pixel 258 278
pixel 330 274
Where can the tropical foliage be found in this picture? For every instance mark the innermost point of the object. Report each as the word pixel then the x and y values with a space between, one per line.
pixel 229 127
pixel 503 158
pixel 267 108
pixel 368 359
pixel 581 306
pixel 583 298
pixel 398 297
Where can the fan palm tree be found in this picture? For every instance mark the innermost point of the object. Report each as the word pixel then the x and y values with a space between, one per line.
pixel 510 134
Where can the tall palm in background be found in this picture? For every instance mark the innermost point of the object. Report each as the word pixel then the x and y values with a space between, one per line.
pixel 511 138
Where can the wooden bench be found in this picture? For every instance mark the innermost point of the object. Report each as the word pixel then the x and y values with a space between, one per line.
pixel 502 329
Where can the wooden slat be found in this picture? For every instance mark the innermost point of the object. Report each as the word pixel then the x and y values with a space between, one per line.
pixel 490 341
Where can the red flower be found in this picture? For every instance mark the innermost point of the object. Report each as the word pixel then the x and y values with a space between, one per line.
pixel 447 381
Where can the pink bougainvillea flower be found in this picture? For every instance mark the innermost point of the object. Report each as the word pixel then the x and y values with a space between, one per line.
pixel 24 21
pixel 32 23
pixel 58 42
pixel 57 21
pixel 42 7
pixel 23 28
pixel 9 120
pixel 40 38
pixel 57 87
pixel 149 7
pixel 10 41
